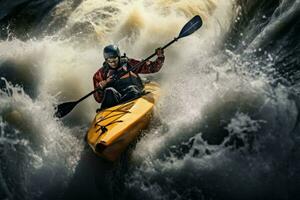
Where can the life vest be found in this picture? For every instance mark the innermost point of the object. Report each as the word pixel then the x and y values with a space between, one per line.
pixel 127 79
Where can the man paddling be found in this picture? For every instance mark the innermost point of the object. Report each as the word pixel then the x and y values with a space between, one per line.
pixel 146 67
pixel 119 78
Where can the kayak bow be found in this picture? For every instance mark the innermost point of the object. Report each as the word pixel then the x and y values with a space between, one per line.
pixel 113 129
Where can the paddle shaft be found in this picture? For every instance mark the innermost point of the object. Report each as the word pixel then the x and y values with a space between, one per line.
pixel 89 94
pixel 151 56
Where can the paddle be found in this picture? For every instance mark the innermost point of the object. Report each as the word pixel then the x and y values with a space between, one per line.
pixel 190 27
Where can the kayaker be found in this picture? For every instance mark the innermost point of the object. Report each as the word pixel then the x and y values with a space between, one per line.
pixel 127 86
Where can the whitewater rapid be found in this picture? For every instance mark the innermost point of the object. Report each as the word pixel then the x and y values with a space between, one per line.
pixel 224 127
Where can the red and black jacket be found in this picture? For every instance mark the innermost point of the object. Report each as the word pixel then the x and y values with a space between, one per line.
pixel 105 71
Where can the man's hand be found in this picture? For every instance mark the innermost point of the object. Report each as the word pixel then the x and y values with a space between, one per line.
pixel 104 82
pixel 159 52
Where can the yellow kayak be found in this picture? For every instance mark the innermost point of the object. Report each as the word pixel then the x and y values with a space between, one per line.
pixel 113 129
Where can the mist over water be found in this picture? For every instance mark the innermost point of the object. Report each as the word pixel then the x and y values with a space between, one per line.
pixel 227 123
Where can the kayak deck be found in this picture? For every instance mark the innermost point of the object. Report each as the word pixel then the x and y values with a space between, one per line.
pixel 113 129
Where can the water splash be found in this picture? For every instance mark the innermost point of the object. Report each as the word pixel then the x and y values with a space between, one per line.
pixel 207 91
pixel 34 142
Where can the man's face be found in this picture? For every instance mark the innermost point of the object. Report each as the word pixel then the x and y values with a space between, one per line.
pixel 113 62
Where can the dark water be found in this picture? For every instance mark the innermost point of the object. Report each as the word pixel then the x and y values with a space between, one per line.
pixel 242 144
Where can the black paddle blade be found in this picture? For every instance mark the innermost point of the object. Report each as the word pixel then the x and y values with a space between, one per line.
pixel 64 108
pixel 194 24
